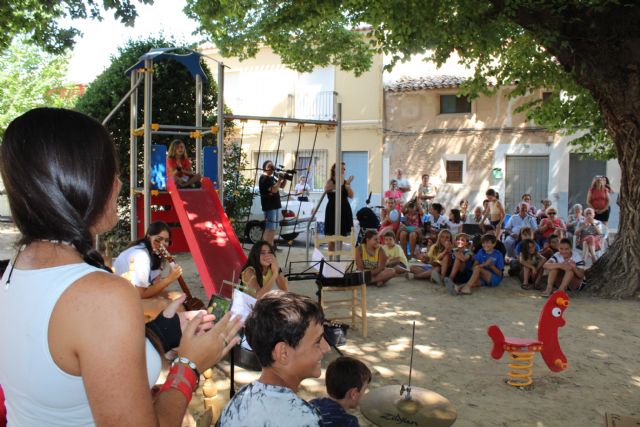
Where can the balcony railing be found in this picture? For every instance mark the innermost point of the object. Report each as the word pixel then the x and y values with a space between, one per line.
pixel 317 106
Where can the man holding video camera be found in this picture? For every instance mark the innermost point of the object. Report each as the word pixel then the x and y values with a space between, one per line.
pixel 269 187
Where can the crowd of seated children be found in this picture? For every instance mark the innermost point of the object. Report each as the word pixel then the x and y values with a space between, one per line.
pixel 347 380
pixel 589 234
pixel 531 263
pixel 396 257
pixel 487 268
pixel 436 260
pixel 566 269
pixel 418 235
pixel 370 257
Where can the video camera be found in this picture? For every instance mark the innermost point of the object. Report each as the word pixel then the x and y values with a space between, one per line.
pixel 285 174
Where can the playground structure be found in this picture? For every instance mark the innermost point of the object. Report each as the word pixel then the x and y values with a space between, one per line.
pixel 205 230
pixel 521 351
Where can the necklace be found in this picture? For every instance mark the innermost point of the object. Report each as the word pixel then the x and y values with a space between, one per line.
pixel 22 248
pixel 57 242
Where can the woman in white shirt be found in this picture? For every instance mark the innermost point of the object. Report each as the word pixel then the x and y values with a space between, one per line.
pixel 142 265
pixel 76 353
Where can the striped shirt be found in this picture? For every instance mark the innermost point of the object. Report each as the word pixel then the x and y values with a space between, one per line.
pixel 575 257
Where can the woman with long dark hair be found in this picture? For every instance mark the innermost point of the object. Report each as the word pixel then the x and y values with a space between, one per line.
pixel 261 273
pixel 141 264
pixel 74 350
pixel 346 216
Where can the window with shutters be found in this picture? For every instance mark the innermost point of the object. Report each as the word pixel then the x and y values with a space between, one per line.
pixel 454 170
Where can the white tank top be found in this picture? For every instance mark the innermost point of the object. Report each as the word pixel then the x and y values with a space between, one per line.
pixel 37 391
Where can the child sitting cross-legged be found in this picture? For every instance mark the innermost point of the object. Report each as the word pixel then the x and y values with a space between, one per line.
pixel 437 259
pixel 347 380
pixel 566 269
pixel 396 258
pixel 487 267
pixel 531 262
pixel 462 257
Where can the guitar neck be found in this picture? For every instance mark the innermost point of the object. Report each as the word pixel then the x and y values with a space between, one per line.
pixel 184 287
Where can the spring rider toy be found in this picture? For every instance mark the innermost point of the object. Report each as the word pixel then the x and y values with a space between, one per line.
pixel 521 350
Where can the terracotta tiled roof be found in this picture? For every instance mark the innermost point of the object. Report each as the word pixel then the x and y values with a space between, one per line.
pixel 405 84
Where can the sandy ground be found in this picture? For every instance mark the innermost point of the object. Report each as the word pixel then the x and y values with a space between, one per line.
pixel 601 341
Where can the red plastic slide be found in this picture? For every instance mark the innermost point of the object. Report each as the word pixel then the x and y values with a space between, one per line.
pixel 214 246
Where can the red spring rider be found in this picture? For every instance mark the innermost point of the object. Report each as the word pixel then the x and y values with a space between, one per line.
pixel 521 351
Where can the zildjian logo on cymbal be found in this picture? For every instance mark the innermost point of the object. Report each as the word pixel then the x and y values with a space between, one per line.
pixel 399 419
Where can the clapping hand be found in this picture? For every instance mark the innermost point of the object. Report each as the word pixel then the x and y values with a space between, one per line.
pixel 206 322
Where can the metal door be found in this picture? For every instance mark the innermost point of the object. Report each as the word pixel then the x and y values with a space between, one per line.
pixel 582 169
pixel 526 174
pixel 357 163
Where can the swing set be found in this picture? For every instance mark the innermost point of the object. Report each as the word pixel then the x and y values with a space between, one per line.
pixel 204 229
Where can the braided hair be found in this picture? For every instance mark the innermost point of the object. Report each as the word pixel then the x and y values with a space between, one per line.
pixel 59 169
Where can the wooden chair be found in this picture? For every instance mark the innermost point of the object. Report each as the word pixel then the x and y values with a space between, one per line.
pixel 357 303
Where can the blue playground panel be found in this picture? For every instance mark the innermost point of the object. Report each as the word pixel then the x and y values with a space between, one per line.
pixel 159 167
pixel 210 159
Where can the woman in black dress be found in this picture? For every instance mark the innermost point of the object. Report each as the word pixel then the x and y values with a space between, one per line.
pixel 346 216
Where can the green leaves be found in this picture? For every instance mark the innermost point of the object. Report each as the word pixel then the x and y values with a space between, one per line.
pixel 29 78
pixel 501 39
pixel 38 20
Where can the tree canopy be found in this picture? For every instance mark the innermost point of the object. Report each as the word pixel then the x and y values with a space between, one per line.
pixel 30 78
pixel 586 52
pixel 39 20
pixel 485 34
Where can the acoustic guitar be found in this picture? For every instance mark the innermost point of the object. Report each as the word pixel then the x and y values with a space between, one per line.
pixel 191 303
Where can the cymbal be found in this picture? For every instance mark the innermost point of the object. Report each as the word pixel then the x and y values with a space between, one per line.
pixel 386 407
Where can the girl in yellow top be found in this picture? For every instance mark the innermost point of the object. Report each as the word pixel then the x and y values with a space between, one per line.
pixel 396 258
pixel 370 257
pixel 262 260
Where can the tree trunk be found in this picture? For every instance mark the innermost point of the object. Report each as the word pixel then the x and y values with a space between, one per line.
pixel 600 48
pixel 617 273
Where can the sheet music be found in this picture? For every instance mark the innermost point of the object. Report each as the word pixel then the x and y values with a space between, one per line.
pixel 242 304
pixel 331 268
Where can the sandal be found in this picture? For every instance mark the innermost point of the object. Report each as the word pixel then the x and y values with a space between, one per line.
pixel 451 287
pixel 526 286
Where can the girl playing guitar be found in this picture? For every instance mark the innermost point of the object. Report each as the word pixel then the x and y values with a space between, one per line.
pixel 144 268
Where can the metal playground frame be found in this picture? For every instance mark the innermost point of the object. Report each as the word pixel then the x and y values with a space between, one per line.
pixel 142 72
